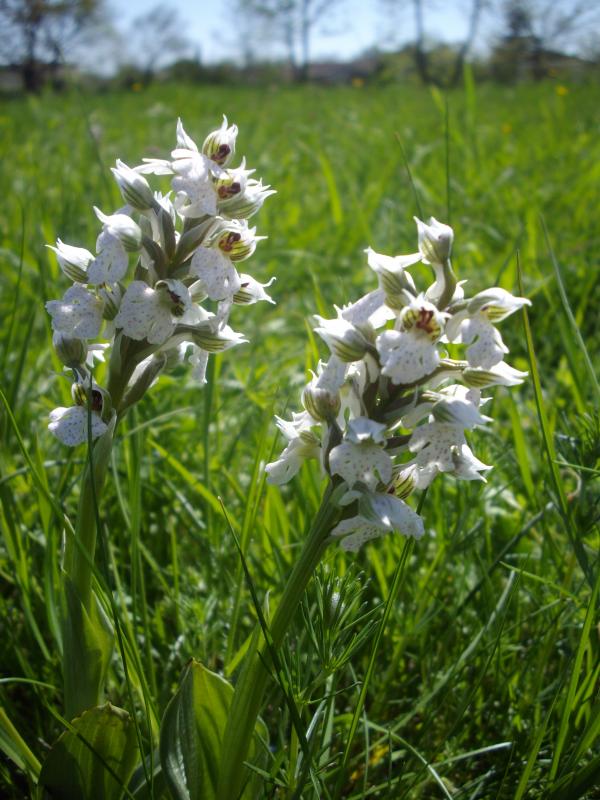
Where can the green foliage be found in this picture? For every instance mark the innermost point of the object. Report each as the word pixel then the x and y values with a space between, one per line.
pixel 88 639
pixel 191 734
pixel 94 759
pixel 484 682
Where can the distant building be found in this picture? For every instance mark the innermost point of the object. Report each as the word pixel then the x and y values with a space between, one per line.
pixel 345 72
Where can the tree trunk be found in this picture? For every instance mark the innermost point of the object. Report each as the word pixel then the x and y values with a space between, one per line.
pixel 467 44
pixel 303 72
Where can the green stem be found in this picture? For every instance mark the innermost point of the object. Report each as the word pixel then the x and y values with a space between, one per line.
pixel 251 685
pixel 87 636
pixel 449 286
pixel 80 549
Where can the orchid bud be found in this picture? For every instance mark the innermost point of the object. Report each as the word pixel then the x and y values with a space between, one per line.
pixel 435 240
pixel 71 351
pixel 404 482
pixel 73 261
pixel 111 295
pixel 322 404
pixel 343 338
pixel 134 187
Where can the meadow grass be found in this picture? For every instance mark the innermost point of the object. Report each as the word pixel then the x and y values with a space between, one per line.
pixel 465 666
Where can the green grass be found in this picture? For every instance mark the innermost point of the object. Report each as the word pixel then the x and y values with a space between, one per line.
pixel 484 683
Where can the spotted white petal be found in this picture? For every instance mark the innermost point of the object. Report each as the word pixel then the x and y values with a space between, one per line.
pixel 122 226
pixel 443 446
pixel 302 444
pixel 487 348
pixel 146 313
pixel 364 462
pixel 70 425
pixel 110 265
pixel 78 314
pixel 363 429
pixel 406 357
pixel 194 185
pixel 380 514
pixel 199 361
pixel 332 375
pixel 219 277
pixel 370 309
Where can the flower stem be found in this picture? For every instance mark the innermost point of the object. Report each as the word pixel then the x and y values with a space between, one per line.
pixel 87 638
pixel 251 685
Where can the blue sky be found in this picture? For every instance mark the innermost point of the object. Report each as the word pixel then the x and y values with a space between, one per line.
pixel 355 27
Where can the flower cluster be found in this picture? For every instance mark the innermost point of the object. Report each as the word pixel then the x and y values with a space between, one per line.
pixel 388 411
pixel 162 282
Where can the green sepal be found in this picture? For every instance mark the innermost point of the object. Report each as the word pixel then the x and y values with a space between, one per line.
pixel 191 735
pixel 95 759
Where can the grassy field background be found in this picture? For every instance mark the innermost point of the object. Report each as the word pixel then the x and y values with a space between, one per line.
pixel 486 678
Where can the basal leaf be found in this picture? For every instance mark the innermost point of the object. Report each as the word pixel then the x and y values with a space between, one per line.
pixel 192 732
pixel 95 759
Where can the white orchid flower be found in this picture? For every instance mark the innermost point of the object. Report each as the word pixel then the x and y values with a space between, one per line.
pixel 152 314
pixel 247 202
pixel 442 447
pixel 219 145
pixel 474 326
pixel 302 444
pixel 218 277
pixel 110 265
pixel 409 354
pixel 251 291
pixel 391 273
pixel 121 226
pixel 70 425
pixel 361 456
pixel 378 514
pixel 369 310
pixel 78 314
pixel 455 404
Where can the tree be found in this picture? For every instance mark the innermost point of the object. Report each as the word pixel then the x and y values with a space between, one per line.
pixel 422 60
pixel 537 33
pixel 291 22
pixel 554 25
pixel 156 39
pixel 34 34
